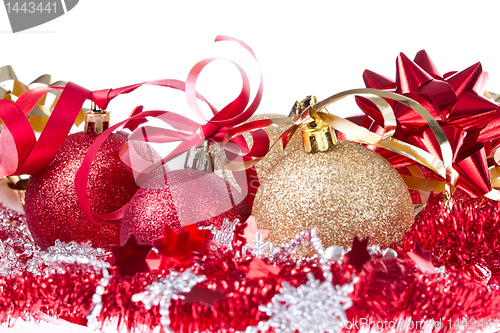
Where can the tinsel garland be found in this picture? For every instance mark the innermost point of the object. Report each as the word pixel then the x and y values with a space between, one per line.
pixel 461 235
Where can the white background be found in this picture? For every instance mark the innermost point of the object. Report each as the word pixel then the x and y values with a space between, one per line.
pixel 313 47
pixel 306 47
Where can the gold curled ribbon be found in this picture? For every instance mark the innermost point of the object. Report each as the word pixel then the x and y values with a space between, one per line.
pixel 39 115
pixel 385 140
pixel 494 171
pixel 495 177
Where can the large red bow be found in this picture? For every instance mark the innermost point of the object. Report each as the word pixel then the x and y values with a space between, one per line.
pixel 470 121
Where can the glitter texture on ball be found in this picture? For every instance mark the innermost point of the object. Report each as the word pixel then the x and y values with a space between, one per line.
pixel 52 208
pixel 348 190
pixel 178 197
pixel 274 155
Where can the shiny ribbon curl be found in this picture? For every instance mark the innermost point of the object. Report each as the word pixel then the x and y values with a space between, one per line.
pixel 188 132
pixel 360 134
pixel 470 121
pixel 40 112
pixel 22 153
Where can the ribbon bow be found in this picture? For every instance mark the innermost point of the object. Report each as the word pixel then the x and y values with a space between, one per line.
pixel 22 153
pixel 470 121
pixel 441 163
pixel 188 132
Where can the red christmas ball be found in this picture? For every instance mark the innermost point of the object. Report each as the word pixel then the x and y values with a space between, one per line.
pixel 179 197
pixel 52 208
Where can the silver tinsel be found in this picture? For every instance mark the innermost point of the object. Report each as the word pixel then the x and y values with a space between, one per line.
pixel 73 253
pixel 223 237
pixel 388 252
pixel 19 245
pixel 9 261
pixel 312 307
pixel 163 291
pixel 309 237
pixel 259 248
pixel 18 242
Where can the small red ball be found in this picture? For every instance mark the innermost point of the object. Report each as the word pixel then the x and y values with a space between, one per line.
pixel 177 197
pixel 52 208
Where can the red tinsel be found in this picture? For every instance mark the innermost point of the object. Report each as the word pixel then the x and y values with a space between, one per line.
pixel 463 235
pixel 460 238
pixel 463 238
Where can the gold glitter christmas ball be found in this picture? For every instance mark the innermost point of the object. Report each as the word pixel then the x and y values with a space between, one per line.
pixel 345 191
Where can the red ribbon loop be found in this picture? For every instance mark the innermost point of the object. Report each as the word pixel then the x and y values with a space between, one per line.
pixel 188 132
pixel 23 154
pixel 17 137
pixel 32 155
pixel 101 98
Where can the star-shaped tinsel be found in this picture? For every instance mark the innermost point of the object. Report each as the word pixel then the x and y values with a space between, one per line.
pixel 315 306
pixel 131 257
pixel 422 259
pixel 311 307
pixel 259 247
pixel 163 291
pixel 176 249
pixel 358 255
pixel 455 100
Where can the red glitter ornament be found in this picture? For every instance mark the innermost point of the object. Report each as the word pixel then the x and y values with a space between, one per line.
pixel 178 197
pixel 52 208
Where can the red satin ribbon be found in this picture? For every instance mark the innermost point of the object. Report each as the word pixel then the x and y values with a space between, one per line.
pixel 22 154
pixel 82 175
pixel 190 133
pixel 33 155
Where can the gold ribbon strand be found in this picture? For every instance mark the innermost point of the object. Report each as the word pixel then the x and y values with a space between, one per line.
pixel 39 115
pixel 385 140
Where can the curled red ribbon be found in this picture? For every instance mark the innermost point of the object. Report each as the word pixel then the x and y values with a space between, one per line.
pixel 23 154
pixel 189 133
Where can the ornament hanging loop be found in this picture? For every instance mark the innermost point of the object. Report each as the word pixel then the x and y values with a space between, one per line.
pixel 96 120
pixel 300 110
pixel 199 158
pixel 317 136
